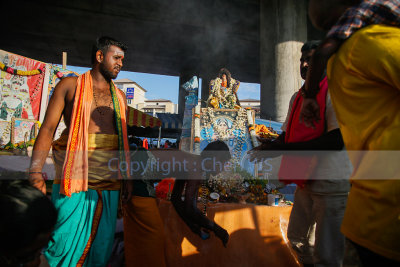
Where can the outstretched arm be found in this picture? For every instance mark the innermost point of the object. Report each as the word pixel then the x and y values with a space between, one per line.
pixel 318 64
pixel 331 140
pixel 310 108
pixel 266 145
pixel 46 133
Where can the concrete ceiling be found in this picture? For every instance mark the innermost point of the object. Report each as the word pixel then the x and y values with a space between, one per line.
pixel 167 37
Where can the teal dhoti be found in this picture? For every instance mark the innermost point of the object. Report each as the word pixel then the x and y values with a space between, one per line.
pixel 84 232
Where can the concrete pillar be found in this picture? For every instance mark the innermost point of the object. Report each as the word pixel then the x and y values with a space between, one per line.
pixel 283 30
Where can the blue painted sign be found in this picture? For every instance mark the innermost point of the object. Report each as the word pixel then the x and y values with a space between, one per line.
pixel 130 92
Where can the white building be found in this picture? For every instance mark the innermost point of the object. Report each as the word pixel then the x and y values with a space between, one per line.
pixel 153 106
pixel 249 102
pixel 135 94
pixel 136 97
pixel 254 104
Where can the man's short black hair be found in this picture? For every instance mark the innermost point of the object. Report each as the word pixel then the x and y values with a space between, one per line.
pixel 103 43
pixel 310 45
pixel 26 212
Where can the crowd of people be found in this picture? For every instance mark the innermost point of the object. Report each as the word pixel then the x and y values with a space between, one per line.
pixel 347 113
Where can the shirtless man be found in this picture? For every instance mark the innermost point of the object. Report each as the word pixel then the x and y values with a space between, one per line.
pixel 85 192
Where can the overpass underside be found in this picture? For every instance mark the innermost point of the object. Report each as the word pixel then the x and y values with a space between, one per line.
pixel 257 40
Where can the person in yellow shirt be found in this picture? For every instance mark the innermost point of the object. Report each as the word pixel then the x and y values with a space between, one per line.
pixel 364 85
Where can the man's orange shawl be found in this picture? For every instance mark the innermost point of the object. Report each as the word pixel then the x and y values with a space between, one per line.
pixel 75 170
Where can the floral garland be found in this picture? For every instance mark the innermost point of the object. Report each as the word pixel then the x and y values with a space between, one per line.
pixel 204 193
pixel 227 99
pixel 252 131
pixel 164 188
pixel 19 72
pixel 226 183
pixel 196 137
pixel 59 74
pixel 196 124
pixel 237 151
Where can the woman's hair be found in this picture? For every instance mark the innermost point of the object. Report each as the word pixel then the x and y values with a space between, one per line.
pixel 25 213
pixel 227 73
pixel 217 149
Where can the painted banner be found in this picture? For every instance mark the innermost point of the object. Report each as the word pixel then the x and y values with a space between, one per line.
pixel 23 130
pixel 237 139
pixel 56 74
pixel 20 94
pixel 232 126
pixel 5 130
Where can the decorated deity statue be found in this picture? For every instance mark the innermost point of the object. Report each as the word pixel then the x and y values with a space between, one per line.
pixel 223 91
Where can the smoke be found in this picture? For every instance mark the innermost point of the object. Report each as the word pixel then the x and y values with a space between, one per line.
pixel 199 35
pixel 163 37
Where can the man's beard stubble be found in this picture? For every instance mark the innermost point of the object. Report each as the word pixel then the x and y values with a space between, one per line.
pixel 303 73
pixel 108 75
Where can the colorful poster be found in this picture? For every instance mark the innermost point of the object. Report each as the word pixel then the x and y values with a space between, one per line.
pixel 5 130
pixel 56 74
pixel 24 130
pixel 223 126
pixel 232 126
pixel 20 94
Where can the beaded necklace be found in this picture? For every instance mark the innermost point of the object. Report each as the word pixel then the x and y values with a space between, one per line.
pixel 98 108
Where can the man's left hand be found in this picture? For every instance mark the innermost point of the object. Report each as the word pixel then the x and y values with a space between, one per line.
pixel 267 149
pixel 127 189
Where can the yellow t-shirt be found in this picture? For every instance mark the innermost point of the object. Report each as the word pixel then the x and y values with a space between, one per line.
pixel 364 83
